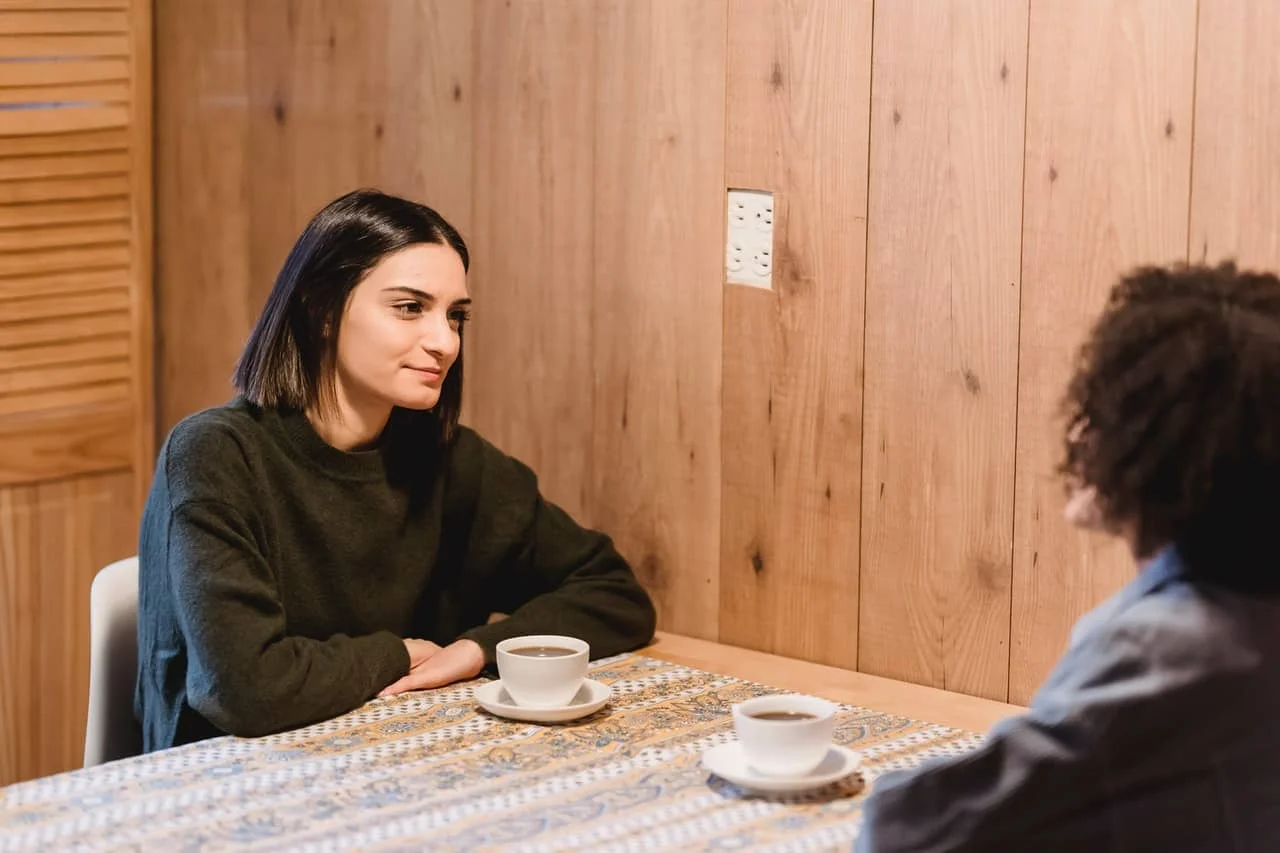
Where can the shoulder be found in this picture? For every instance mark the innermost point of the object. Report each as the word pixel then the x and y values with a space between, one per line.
pixel 207 454
pixel 1178 639
pixel 1189 626
pixel 216 430
pixel 473 456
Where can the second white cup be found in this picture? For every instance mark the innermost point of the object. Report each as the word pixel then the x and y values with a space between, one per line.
pixel 786 735
pixel 543 670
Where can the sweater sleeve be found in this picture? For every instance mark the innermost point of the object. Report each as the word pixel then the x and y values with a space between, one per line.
pixel 551 575
pixel 245 674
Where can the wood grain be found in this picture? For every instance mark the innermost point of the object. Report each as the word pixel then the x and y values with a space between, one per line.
pixel 658 201
pixel 1235 193
pixel 428 103
pixel 534 159
pixel 799 89
pixel 50 21
pixel 942 342
pixel 112 139
pixel 68 71
pixel 41 447
pixel 1108 167
pixel 65 120
pixel 206 300
pixel 54 536
pixel 141 192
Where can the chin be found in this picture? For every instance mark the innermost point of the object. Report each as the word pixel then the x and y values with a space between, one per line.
pixel 417 402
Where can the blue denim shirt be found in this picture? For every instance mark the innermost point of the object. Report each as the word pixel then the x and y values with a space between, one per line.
pixel 1159 730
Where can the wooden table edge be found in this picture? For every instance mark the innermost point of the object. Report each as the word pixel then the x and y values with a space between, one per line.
pixel 926 704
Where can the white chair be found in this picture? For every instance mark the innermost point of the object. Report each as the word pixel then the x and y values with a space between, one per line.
pixel 110 731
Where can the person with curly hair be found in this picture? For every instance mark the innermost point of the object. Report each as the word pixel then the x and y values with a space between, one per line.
pixel 1159 729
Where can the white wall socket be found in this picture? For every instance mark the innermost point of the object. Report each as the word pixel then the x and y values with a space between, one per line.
pixel 748 251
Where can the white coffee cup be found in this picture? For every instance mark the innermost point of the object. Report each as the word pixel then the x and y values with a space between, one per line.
pixel 545 678
pixel 785 747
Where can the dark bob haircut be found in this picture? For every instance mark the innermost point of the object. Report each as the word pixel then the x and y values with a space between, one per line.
pixel 289 359
pixel 1174 418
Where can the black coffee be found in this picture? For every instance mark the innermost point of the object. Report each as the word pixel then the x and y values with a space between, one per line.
pixel 783 716
pixel 543 651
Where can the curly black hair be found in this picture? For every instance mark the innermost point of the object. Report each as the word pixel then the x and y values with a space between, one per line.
pixel 1173 418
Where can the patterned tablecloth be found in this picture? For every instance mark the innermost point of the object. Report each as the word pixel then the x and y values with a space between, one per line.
pixel 431 771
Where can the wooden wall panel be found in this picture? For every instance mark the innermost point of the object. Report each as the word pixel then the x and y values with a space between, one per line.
pixel 205 300
pixel 532 273
pixel 428 104
pixel 269 110
pixel 54 536
pixel 315 89
pixel 658 254
pixel 799 90
pixel 1107 184
pixel 942 342
pixel 1235 193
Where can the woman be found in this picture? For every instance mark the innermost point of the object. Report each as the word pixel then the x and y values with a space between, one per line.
pixel 1160 727
pixel 297 541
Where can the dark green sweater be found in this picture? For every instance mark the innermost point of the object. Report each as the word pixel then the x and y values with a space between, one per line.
pixel 279 574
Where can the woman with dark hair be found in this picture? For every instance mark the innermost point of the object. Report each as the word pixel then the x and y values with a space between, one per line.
pixel 299 540
pixel 1160 727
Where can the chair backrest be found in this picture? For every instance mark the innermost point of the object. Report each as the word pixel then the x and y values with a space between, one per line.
pixel 110 731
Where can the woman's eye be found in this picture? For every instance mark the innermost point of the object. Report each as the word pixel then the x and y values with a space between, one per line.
pixel 458 318
pixel 408 309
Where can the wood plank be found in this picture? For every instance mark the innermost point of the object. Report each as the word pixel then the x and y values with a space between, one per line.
pixel 72 281
pixel 38 190
pixel 428 145
pixel 112 139
pixel 70 528
pixel 58 21
pixel 40 262
pixel 312 66
pixel 50 446
pixel 19 311
pixel 957 710
pixel 947 122
pixel 206 298
pixel 64 212
pixel 62 72
pixel 63 376
pixel 29 239
pixel 799 90
pixel 657 312
pixel 1235 194
pixel 105 347
pixel 59 328
pixel 141 194
pixel 64 4
pixel 113 91
pixel 36 122
pixel 77 46
pixel 45 399
pixel 63 165
pixel 1107 182
pixel 534 154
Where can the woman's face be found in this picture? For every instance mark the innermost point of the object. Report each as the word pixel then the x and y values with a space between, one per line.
pixel 401 329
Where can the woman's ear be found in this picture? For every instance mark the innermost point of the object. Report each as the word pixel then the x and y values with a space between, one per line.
pixel 1083 510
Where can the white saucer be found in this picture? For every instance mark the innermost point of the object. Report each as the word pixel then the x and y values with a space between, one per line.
pixel 729 763
pixel 591 697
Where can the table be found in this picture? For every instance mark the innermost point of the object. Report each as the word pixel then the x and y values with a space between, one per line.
pixel 430 771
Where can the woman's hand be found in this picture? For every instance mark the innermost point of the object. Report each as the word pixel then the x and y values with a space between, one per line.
pixel 431 666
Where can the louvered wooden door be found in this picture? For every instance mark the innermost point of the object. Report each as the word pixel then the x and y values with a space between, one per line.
pixel 75 348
